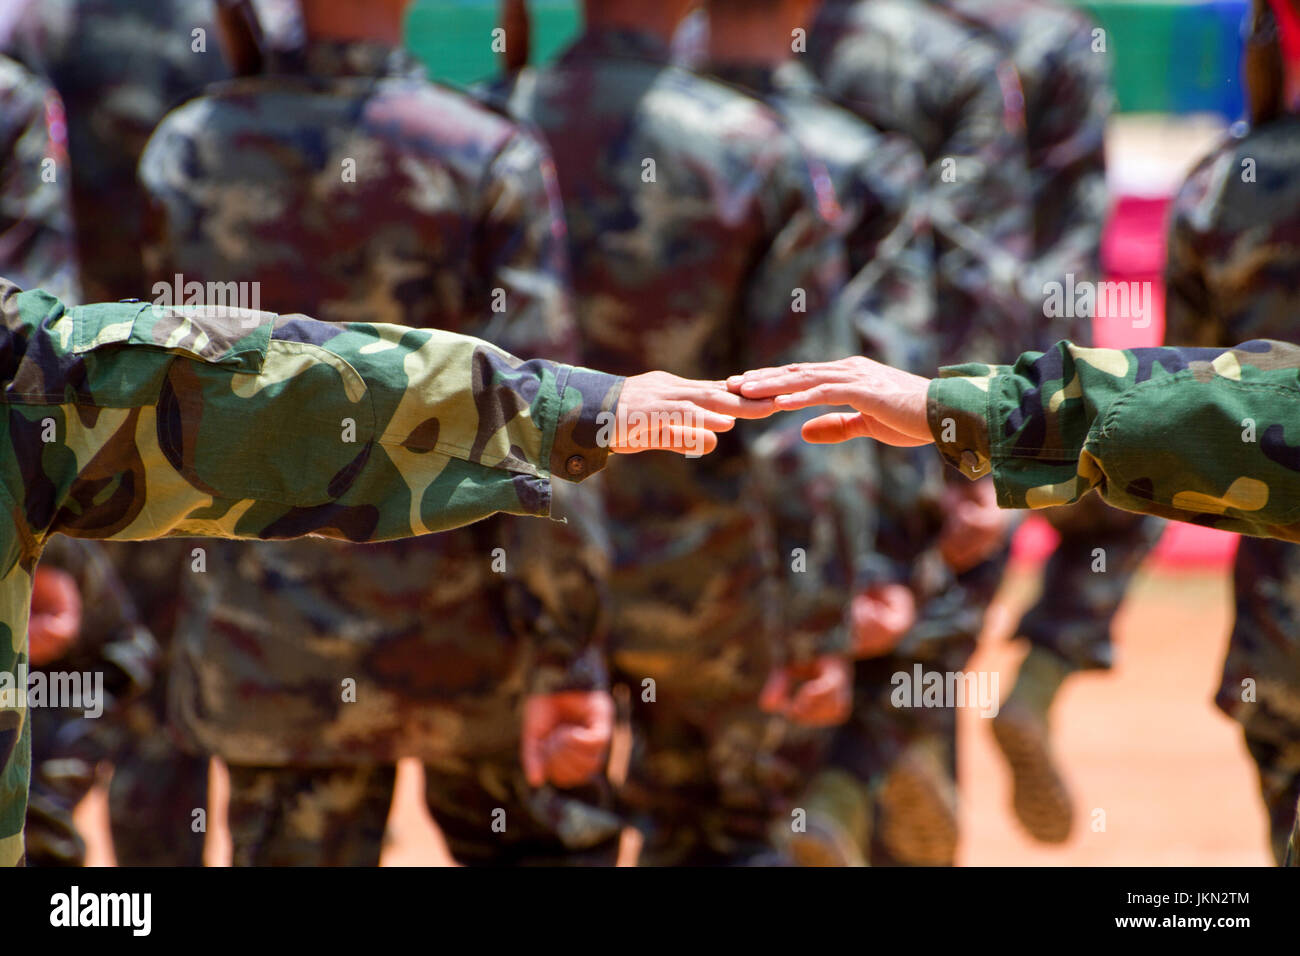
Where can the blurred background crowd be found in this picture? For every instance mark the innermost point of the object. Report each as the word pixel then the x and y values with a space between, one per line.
pixel 701 665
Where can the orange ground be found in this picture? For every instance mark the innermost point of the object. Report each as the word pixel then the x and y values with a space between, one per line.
pixel 1144 744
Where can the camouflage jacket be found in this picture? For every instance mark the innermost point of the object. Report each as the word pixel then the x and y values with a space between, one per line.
pixel 1064 69
pixel 119 66
pixel 1234 242
pixel 132 422
pixel 697 245
pixel 36 242
pixel 907 67
pixel 1203 435
pixel 344 180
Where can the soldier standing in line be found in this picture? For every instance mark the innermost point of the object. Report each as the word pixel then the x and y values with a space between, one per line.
pixel 338 176
pixel 1234 258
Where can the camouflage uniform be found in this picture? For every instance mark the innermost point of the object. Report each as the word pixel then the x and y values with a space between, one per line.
pixel 912 68
pixel 36 242
pixel 908 67
pixel 359 188
pixel 696 236
pixel 1234 256
pixel 157 785
pixel 1067 102
pixel 119 66
pixel 877 181
pixel 113 644
pixel 162 420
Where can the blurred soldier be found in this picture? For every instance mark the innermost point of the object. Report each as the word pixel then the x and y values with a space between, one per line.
pixel 85 638
pixel 130 421
pixel 36 241
pixel 412 203
pixel 910 69
pixel 119 66
pixel 1234 259
pixel 700 237
pixel 156 785
pixel 1063 71
pixel 878 181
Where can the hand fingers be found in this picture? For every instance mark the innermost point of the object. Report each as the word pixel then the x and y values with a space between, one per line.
pixel 676 438
pixel 834 427
pixel 761 382
pixel 715 397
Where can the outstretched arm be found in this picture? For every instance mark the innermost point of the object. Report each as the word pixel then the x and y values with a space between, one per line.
pixel 1208 436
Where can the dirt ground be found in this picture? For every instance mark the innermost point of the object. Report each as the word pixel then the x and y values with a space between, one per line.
pixel 1160 776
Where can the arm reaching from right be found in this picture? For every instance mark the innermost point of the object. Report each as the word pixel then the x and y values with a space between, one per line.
pixel 1207 436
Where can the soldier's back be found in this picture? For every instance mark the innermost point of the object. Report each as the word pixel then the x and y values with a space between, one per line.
pixel 118 65
pixel 1234 251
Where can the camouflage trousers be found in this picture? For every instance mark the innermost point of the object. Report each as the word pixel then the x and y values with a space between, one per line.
pixel 700 785
pixel 156 789
pixel 490 816
pixel 1260 688
pixel 290 816
pixel 704 791
pixel 1073 614
pixel 337 816
pixel 65 755
pixel 905 758
pixel 153 795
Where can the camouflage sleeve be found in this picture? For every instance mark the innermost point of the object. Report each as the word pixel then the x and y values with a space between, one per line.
pixel 557 581
pixel 144 422
pixel 791 316
pixel 36 243
pixel 1207 436
pixel 113 640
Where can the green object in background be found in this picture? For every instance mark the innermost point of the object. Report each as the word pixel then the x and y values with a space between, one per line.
pixel 453 38
pixel 1168 56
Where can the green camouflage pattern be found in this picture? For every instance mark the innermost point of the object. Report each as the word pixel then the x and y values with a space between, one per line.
pixel 129 421
pixel 1234 252
pixel 1058 424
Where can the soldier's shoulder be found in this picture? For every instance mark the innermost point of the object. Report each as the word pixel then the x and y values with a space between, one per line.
pixel 414 116
pixel 843 140
pixel 1248 180
pixel 711 111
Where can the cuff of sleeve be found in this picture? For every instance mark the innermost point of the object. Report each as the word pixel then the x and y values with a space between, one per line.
pixel 957 409
pixel 587 403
